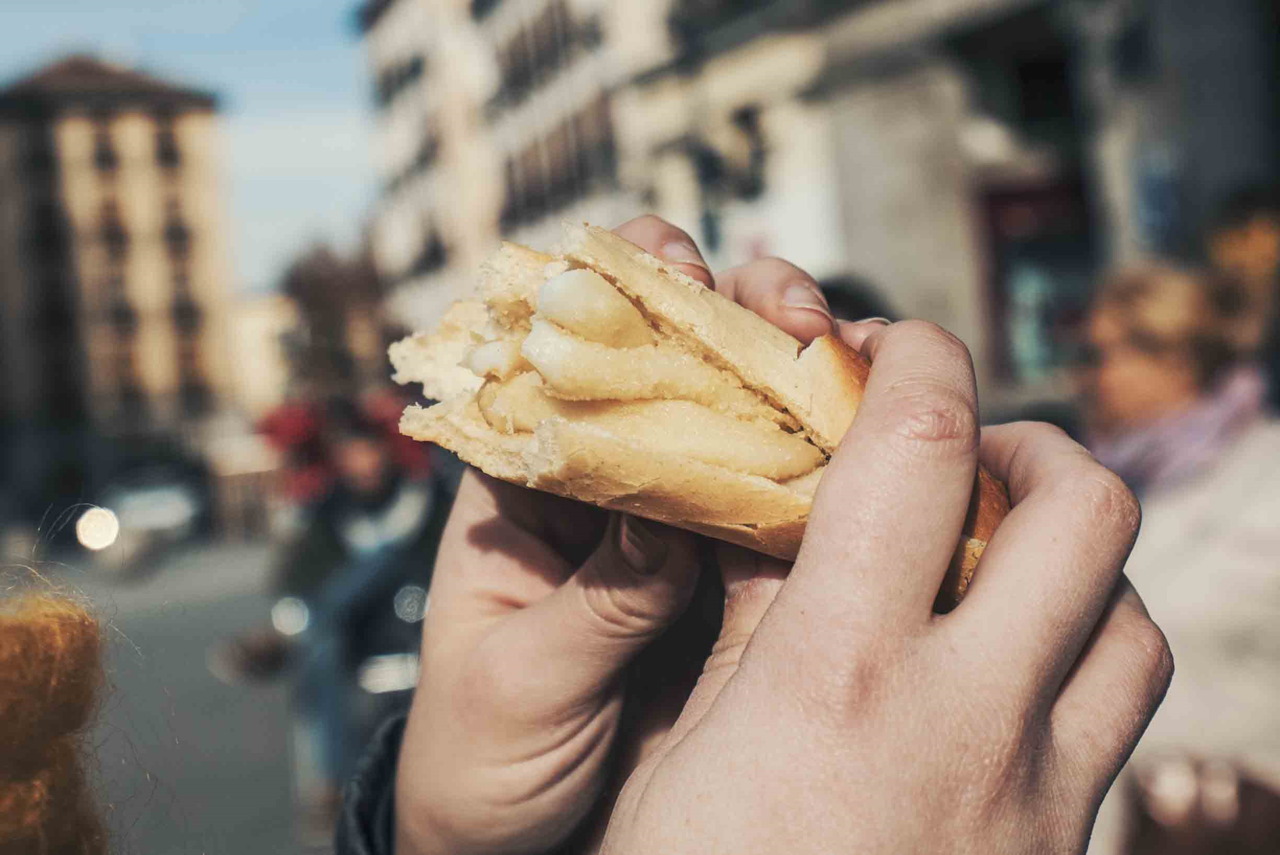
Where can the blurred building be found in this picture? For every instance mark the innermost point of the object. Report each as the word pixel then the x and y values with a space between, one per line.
pixel 114 272
pixel 260 330
pixel 977 160
pixel 495 118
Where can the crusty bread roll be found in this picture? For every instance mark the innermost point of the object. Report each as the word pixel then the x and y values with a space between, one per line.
pixel 604 375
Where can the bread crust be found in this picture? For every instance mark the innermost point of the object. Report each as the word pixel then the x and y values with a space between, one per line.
pixel 819 386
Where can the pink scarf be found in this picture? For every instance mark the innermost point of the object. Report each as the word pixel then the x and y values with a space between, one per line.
pixel 1184 444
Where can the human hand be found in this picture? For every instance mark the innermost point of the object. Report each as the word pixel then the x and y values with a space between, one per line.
pixel 840 714
pixel 538 607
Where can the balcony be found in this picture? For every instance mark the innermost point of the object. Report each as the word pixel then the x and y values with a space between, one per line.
pixel 123 318
pixel 187 315
pixel 113 233
pixel 481 9
pixel 177 236
pixel 434 256
pixel 195 398
pixel 104 152
pixel 538 51
pixel 168 156
pixel 396 79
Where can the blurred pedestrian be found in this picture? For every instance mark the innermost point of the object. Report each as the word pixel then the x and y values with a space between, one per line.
pixel 338 583
pixel 1244 242
pixel 1173 402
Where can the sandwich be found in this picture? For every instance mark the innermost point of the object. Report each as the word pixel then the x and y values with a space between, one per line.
pixel 602 374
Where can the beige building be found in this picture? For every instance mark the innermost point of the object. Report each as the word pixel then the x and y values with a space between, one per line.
pixel 115 266
pixel 114 272
pixel 495 118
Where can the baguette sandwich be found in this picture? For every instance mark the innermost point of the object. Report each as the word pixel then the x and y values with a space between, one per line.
pixel 604 375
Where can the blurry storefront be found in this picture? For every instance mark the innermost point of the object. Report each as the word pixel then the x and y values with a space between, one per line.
pixel 978 161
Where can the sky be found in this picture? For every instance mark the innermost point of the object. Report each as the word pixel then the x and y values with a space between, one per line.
pixel 297 119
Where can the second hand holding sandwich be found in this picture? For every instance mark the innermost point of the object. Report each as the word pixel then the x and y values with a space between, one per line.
pixel 606 375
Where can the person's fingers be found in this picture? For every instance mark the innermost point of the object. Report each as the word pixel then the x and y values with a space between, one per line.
pixel 856 333
pixel 572 645
pixel 1109 698
pixel 782 294
pixel 1048 571
pixel 670 243
pixel 893 500
pixel 751 582
pixel 531 542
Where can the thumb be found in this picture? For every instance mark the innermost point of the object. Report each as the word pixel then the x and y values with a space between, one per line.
pixel 577 640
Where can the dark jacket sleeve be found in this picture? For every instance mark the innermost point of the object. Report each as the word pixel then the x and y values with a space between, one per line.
pixel 366 825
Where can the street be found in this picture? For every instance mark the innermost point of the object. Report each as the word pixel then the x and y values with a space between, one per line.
pixel 186 764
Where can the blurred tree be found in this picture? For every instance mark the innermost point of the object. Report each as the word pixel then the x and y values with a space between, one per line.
pixel 339 347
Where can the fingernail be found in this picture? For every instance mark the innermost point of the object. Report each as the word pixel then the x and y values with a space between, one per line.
pixel 801 296
pixel 679 252
pixel 643 550
pixel 884 322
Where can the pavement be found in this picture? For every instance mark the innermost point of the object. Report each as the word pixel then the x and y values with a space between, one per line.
pixel 186 764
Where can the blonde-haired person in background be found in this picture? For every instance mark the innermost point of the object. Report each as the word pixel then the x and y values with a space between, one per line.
pixel 1174 403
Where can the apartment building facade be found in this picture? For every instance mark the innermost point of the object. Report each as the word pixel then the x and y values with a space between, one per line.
pixel 496 118
pixel 113 261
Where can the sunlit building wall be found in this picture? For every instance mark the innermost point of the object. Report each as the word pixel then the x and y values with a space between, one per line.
pixel 495 118
pixel 114 263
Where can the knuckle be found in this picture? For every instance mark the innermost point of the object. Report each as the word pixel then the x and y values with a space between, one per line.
pixel 781 267
pixel 657 225
pixel 726 655
pixel 613 612
pixel 931 333
pixel 1110 502
pixel 929 413
pixel 1149 648
pixel 1040 432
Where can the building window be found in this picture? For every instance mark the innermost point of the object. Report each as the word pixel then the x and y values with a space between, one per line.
pixel 548 43
pixel 194 396
pixel 168 156
pixel 177 235
pixel 396 78
pixel 575 159
pixel 122 317
pixel 428 152
pixel 129 394
pixel 187 314
pixel 434 255
pixel 104 151
pixel 114 236
pixel 481 9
